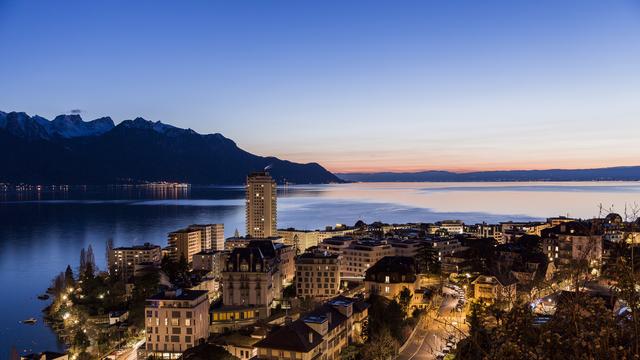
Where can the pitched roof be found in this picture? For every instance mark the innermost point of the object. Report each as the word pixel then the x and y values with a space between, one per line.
pixel 393 265
pixel 292 337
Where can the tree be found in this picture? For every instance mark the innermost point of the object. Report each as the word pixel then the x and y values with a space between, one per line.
pixel 206 352
pixel 383 346
pixel 90 258
pixel 83 261
pixel 108 250
pixel 81 341
pixel 351 352
pixel 427 259
pixel 404 299
pixel 475 344
pixel 68 277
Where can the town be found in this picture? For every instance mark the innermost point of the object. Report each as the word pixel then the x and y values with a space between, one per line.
pixel 444 290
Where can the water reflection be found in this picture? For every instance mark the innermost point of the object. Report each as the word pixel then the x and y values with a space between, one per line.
pixel 42 232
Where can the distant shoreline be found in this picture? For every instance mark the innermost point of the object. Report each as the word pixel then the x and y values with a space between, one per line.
pixel 621 173
pixel 4 187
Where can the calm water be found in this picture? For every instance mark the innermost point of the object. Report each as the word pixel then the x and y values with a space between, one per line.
pixel 41 234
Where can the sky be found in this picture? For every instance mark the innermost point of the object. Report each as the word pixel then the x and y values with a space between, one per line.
pixel 352 85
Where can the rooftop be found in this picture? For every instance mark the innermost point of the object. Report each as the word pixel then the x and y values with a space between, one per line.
pixel 145 246
pixel 179 294
pixel 292 337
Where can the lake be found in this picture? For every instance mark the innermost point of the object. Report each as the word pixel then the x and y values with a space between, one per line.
pixel 40 233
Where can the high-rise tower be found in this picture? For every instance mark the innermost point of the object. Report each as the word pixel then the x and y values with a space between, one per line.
pixel 261 205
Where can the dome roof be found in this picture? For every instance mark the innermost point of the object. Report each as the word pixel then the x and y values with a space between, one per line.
pixel 613 218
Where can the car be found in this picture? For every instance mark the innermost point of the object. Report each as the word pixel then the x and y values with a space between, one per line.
pixel 440 357
pixel 446 349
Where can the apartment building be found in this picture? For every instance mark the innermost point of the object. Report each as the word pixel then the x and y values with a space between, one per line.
pixel 444 245
pixel 573 241
pixel 122 261
pixel 408 248
pixel 451 227
pixel 567 248
pixel 211 261
pixel 337 244
pixel 211 236
pixel 362 254
pixel 175 321
pixel 493 288
pixel 195 238
pixel 318 275
pixel 261 205
pixel 319 335
pixel 484 231
pixel 305 239
pixel 184 243
pixel 390 275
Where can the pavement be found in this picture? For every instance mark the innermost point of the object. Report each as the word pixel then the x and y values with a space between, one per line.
pixel 434 331
pixel 127 353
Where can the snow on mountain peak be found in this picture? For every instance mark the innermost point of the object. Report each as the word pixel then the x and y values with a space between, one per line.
pixel 65 126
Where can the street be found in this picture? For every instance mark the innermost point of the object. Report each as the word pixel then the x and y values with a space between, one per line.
pixel 434 331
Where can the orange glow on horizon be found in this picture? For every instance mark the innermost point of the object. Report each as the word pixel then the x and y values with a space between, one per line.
pixel 568 165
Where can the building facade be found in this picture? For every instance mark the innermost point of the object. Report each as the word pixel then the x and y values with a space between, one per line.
pixel 211 236
pixel 319 335
pixel 122 261
pixel 211 261
pixel 362 254
pixel 175 321
pixel 250 280
pixel 261 205
pixel 195 238
pixel 391 275
pixel 492 289
pixel 318 275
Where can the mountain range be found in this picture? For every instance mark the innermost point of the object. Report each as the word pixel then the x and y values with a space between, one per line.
pixel 622 173
pixel 69 150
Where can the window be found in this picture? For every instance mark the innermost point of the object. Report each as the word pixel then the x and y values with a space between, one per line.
pixel 187 322
pixel 386 279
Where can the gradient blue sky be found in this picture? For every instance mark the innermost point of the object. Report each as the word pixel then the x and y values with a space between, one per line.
pixel 366 85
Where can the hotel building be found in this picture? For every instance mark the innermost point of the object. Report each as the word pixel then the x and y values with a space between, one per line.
pixel 261 208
